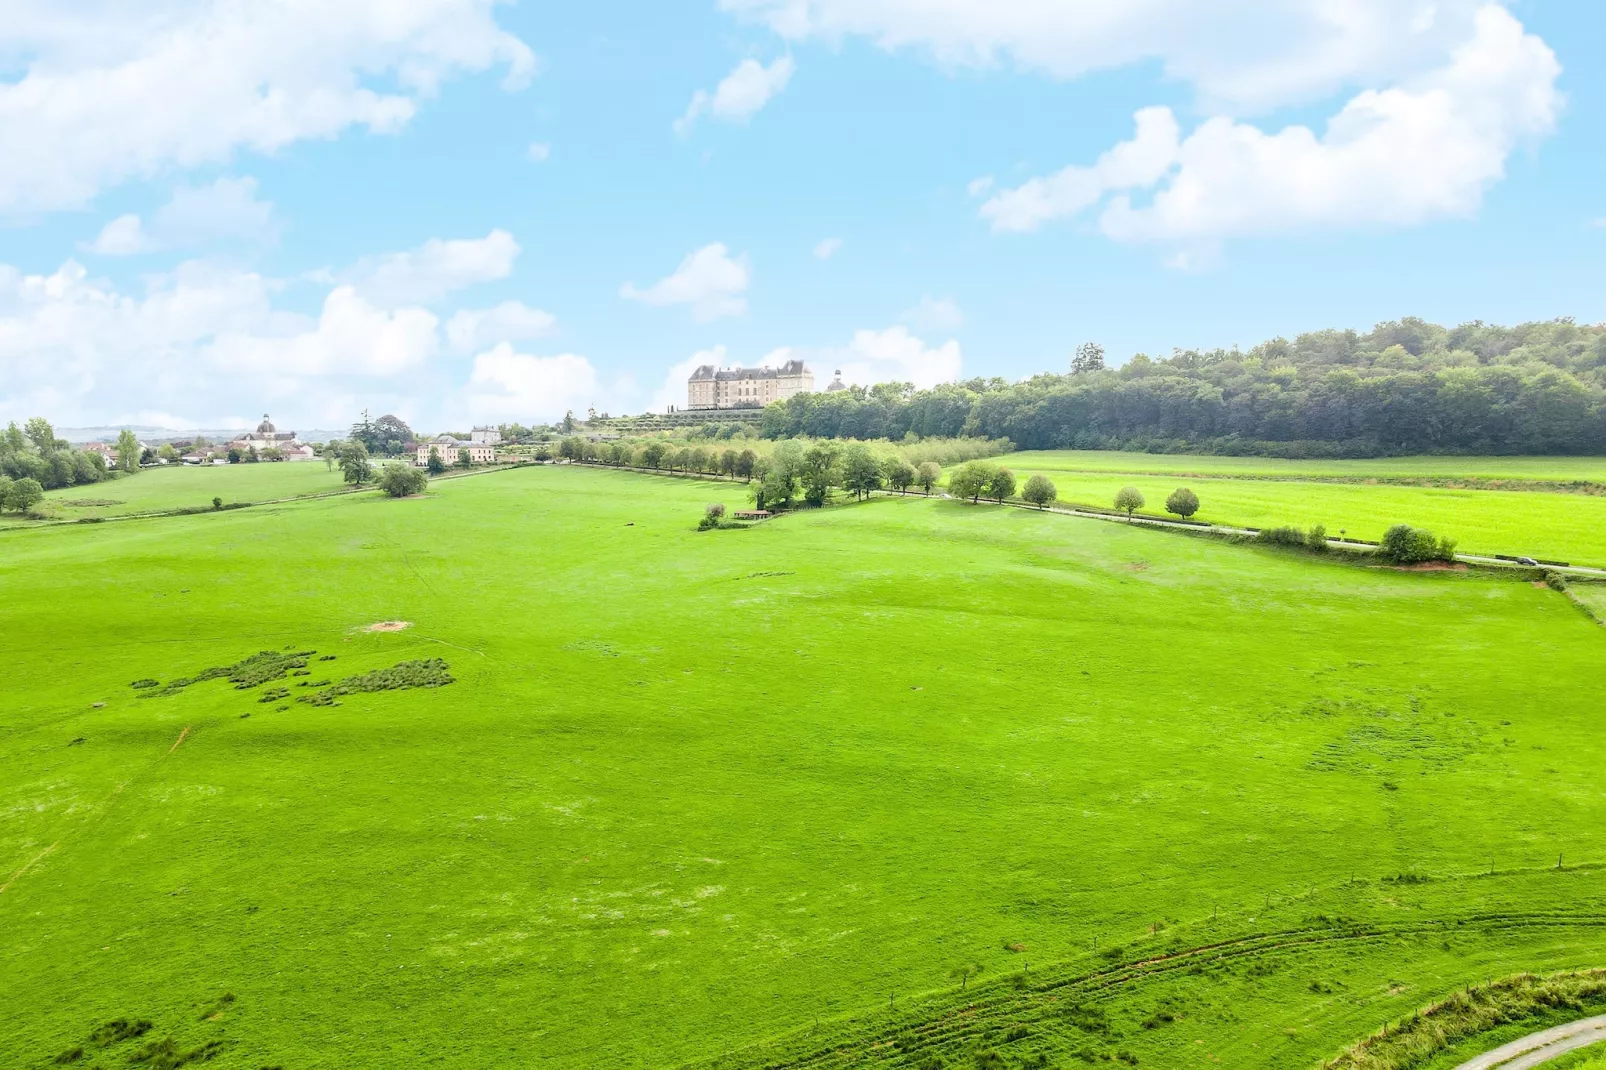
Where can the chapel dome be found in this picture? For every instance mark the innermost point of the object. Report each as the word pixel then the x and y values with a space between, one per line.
pixel 266 426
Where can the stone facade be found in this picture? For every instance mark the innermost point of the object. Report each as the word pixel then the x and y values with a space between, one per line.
pixel 447 447
pixel 712 387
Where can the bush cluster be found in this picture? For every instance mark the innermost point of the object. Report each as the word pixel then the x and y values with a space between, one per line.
pixel 1405 545
pixel 433 672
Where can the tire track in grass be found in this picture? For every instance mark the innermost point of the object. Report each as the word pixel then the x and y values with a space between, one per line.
pixel 97 816
pixel 958 1025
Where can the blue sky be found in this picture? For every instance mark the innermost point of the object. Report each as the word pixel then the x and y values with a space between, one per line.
pixel 202 219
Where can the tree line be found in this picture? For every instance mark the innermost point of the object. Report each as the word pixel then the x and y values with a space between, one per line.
pixel 33 459
pixel 1407 386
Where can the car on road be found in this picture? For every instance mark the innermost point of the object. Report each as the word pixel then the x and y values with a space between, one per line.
pixel 1527 561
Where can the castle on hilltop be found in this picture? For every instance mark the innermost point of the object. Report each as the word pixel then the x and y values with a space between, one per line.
pixel 713 387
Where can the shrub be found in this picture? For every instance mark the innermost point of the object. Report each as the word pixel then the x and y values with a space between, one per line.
pixel 1040 491
pixel 1405 545
pixel 1182 502
pixel 1316 538
pixel 1281 536
pixel 713 516
pixel 402 480
pixel 217 503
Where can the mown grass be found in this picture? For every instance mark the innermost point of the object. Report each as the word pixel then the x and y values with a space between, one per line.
pixel 691 793
pixel 1590 1058
pixel 1559 526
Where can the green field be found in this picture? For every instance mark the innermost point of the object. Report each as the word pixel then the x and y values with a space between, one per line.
pixel 1561 526
pixel 1549 469
pixel 758 797
pixel 180 486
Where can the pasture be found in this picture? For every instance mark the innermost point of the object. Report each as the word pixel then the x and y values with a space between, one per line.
pixel 179 487
pixel 907 783
pixel 1545 523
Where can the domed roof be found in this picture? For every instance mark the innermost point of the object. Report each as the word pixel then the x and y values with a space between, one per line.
pixel 836 384
pixel 266 426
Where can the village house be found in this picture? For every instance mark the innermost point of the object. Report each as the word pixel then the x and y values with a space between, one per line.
pixel 449 448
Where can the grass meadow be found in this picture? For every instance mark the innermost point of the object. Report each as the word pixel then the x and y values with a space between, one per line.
pixel 1547 469
pixel 907 783
pixel 1556 525
pixel 183 486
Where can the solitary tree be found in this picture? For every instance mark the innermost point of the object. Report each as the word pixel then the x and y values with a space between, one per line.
pixel 25 494
pixel 860 472
pixel 928 475
pixel 972 480
pixel 1040 491
pixel 1129 500
pixel 354 466
pixel 127 451
pixel 818 472
pixel 1182 502
pixel 1001 485
pixel 464 460
pixel 435 465
pixel 401 480
pixel 1089 358
pixel 898 473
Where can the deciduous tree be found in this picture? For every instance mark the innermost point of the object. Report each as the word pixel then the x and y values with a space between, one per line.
pixel 1182 502
pixel 1129 500
pixel 1040 491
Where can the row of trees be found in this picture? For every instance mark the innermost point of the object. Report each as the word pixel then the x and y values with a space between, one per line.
pixel 1407 386
pixel 811 473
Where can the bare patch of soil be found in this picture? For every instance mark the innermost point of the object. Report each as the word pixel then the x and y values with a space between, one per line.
pixel 390 626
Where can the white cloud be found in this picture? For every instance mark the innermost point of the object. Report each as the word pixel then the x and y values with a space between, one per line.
pixel 540 151
pixel 741 95
pixel 941 314
pixel 508 385
pixel 350 337
pixel 510 321
pixel 119 91
pixel 1404 155
pixel 895 355
pixel 1243 54
pixel 709 280
pixel 827 248
pixel 979 187
pixel 434 269
pixel 227 209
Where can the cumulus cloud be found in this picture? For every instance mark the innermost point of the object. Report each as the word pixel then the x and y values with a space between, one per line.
pixel 1423 150
pixel 206 338
pixel 1247 54
pixel 709 280
pixel 895 355
pixel 508 385
pixel 228 209
pixel 672 391
pixel 433 270
pixel 120 91
pixel 827 248
pixel 941 314
pixel 510 321
pixel 741 95
pixel 350 337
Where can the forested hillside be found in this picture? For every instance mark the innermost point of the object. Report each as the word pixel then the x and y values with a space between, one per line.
pixel 1408 386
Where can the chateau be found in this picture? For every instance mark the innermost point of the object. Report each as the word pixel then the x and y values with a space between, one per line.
pixel 268 437
pixel 712 387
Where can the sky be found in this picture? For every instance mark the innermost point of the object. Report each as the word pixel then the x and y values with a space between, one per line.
pixel 462 211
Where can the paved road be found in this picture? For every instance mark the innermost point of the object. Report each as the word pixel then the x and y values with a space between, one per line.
pixel 1536 1049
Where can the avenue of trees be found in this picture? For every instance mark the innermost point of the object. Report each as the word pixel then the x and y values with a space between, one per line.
pixel 1407 386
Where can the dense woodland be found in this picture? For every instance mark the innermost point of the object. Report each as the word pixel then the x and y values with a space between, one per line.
pixel 34 452
pixel 1408 386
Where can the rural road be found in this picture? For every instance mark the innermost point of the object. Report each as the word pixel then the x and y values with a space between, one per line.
pixel 1536 1049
